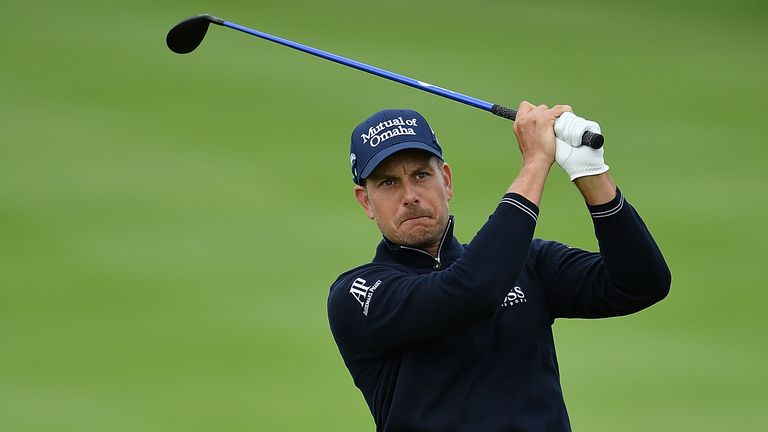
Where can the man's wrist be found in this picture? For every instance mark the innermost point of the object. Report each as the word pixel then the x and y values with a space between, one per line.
pixel 542 163
pixel 596 189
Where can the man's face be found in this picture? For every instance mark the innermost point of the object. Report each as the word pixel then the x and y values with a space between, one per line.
pixel 407 195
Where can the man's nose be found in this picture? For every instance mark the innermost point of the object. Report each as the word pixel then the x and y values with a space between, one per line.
pixel 410 194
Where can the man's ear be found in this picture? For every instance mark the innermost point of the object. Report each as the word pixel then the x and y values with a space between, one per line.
pixel 361 195
pixel 447 180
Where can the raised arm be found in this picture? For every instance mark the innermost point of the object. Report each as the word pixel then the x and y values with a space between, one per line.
pixel 628 274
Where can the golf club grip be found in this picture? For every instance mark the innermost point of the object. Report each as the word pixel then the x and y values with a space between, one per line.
pixel 591 139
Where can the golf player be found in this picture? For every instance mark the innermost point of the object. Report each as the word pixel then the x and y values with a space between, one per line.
pixel 444 336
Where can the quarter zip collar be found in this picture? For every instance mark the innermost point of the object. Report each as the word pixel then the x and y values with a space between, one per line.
pixel 448 250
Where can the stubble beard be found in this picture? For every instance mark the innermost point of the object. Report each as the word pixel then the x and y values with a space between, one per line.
pixel 419 237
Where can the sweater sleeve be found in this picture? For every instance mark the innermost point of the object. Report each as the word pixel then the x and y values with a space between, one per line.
pixel 378 308
pixel 627 275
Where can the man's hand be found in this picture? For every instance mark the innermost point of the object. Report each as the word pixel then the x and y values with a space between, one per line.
pixel 577 160
pixel 534 129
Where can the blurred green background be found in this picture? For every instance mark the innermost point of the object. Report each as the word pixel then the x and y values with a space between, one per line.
pixel 170 225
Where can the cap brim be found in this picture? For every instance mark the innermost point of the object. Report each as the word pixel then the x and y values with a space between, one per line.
pixel 380 156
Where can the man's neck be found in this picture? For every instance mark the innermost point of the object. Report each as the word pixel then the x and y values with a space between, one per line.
pixel 434 249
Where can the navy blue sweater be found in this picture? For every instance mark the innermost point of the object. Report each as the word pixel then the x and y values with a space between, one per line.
pixel 464 342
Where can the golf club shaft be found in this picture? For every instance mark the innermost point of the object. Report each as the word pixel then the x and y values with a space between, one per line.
pixel 187 35
pixel 469 100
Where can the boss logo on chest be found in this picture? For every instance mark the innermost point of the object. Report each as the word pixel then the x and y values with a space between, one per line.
pixel 515 296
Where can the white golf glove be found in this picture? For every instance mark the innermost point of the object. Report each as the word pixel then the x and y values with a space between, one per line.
pixel 575 159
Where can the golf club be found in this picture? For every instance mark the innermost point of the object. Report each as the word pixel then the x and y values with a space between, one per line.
pixel 187 35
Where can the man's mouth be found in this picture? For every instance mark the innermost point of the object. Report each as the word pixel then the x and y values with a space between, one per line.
pixel 414 218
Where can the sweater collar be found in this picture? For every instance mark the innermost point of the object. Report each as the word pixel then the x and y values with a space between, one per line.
pixel 448 251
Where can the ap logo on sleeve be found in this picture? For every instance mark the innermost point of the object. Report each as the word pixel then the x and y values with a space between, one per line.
pixel 363 293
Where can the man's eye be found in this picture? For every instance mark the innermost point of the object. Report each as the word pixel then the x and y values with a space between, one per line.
pixel 422 175
pixel 387 182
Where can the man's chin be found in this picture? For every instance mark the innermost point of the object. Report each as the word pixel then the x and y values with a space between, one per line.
pixel 420 238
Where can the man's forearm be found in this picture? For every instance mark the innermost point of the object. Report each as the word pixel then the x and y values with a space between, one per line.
pixel 596 189
pixel 530 181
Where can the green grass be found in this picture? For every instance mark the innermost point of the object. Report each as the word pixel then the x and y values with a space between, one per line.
pixel 169 225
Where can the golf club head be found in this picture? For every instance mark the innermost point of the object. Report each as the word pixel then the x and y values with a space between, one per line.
pixel 187 35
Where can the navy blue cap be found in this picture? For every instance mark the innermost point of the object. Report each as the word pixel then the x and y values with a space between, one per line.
pixel 385 133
